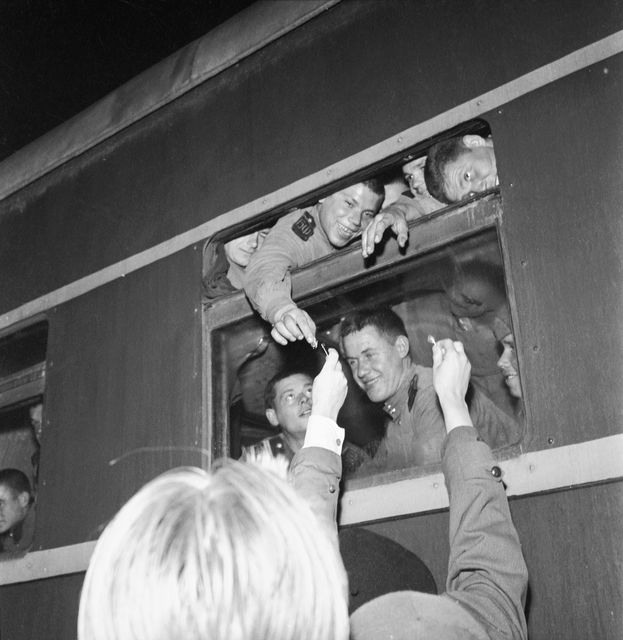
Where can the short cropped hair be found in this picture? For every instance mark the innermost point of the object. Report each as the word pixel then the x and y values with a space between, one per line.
pixel 229 554
pixel 383 319
pixel 376 185
pixel 440 155
pixel 16 481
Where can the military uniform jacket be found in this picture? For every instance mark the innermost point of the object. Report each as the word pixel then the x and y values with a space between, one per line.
pixel 487 575
pixel 415 431
pixel 296 239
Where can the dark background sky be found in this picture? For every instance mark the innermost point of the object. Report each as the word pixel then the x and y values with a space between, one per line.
pixel 57 57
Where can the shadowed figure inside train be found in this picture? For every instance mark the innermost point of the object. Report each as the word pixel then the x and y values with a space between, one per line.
pixel 17 512
pixel 472 309
pixel 224 264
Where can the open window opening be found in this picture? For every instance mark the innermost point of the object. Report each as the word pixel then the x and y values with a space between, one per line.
pixel 449 284
pixel 461 165
pixel 22 385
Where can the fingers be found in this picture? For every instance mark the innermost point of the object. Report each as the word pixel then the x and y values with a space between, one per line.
pixel 401 229
pixel 332 361
pixel 446 349
pixel 330 388
pixel 278 336
pixel 294 325
pixel 373 234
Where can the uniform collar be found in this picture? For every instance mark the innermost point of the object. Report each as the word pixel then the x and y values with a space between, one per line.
pixel 404 396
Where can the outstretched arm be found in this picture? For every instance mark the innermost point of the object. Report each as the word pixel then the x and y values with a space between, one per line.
pixel 268 285
pixel 486 569
pixel 316 469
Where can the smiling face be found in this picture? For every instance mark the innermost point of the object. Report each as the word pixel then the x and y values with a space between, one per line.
pixel 473 171
pixel 508 366
pixel 377 363
pixel 292 405
pixel 13 507
pixel 240 250
pixel 344 214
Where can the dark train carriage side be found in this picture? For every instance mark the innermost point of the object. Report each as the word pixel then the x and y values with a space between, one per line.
pixel 103 222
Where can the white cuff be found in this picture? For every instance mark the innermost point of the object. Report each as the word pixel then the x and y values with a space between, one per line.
pixel 323 432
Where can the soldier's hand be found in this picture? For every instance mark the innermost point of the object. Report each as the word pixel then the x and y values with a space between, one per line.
pixel 390 218
pixel 293 324
pixel 330 388
pixel 451 371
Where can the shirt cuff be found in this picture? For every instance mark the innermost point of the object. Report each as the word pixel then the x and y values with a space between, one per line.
pixel 324 433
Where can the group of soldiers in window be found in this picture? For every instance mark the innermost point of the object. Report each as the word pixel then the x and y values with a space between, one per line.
pixel 386 348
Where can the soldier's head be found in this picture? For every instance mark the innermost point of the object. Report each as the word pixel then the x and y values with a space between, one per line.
pixel 288 402
pixel 460 167
pixel 345 213
pixel 376 347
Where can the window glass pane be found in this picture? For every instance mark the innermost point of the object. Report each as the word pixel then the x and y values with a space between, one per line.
pixel 455 292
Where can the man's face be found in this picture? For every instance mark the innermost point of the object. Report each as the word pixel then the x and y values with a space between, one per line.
pixel 508 366
pixel 376 363
pixel 13 508
pixel 414 175
pixel 345 213
pixel 292 405
pixel 240 250
pixel 475 170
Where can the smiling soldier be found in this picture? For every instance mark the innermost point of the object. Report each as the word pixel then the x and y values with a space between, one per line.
pixel 509 367
pixel 376 347
pixel 297 239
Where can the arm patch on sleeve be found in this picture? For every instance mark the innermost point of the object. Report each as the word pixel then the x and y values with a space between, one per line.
pixel 304 226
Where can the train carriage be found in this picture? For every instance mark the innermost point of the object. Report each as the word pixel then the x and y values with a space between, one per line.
pixel 105 221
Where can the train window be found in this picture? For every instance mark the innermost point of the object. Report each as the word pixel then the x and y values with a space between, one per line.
pixel 22 381
pixel 455 291
pixel 451 284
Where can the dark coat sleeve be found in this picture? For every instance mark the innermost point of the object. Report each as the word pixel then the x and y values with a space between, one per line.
pixel 486 570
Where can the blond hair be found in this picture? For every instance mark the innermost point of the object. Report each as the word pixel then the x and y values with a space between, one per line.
pixel 233 554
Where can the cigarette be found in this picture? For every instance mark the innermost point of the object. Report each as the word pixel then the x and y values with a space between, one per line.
pixel 324 349
pixel 431 340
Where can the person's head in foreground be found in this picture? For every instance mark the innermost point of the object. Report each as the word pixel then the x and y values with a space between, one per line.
pixel 229 554
pixel 509 367
pixel 374 342
pixel 460 167
pixel 15 499
pixel 345 213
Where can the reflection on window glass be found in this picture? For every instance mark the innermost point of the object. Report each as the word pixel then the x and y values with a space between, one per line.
pixel 381 326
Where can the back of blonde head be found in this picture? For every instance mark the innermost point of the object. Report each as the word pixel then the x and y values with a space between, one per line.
pixel 229 554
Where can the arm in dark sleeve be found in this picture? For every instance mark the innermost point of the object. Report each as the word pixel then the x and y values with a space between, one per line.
pixel 486 569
